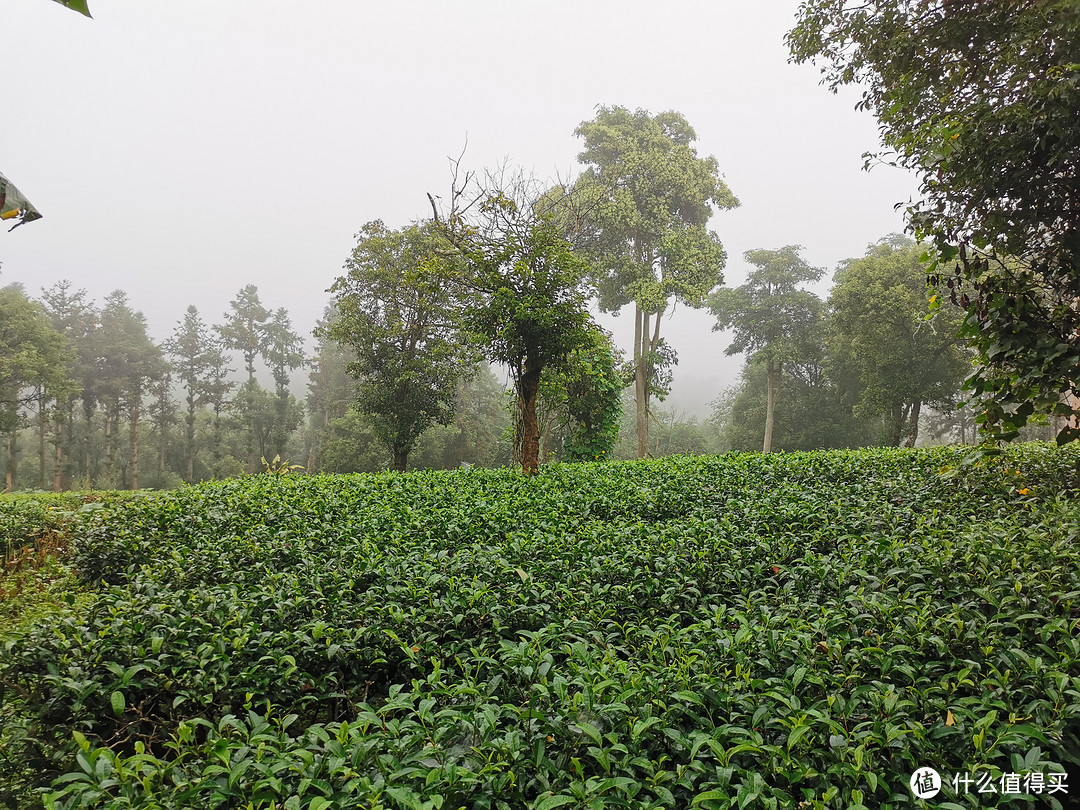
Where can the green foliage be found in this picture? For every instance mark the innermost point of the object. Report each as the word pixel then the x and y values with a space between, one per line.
pixel 772 319
pixel 817 412
pixel 397 312
pixel 32 353
pixel 640 210
pixel 645 198
pixel 585 399
pixel 199 364
pixel 279 466
pixel 769 315
pixel 747 630
pixel 880 327
pixel 593 400
pixel 980 99
pixel 526 307
pixel 80 6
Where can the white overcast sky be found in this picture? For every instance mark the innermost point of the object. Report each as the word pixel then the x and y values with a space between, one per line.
pixel 180 150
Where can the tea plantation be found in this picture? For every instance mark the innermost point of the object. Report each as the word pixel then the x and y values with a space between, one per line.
pixel 752 631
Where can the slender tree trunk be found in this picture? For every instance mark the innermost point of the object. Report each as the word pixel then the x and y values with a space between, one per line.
pixel 528 385
pixel 549 424
pixel 249 417
pixel 9 472
pixel 134 439
pixel 771 383
pixel 109 483
pixel 66 453
pixel 896 427
pixel 913 424
pixel 41 438
pixel 217 438
pixel 84 441
pixel 641 328
pixel 190 449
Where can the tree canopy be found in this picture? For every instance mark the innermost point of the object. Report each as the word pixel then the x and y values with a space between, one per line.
pixel 980 99
pixel 397 311
pixel 643 203
pixel 879 327
pixel 772 319
pixel 526 288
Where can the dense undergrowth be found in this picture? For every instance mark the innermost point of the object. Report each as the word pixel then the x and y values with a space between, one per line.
pixel 738 631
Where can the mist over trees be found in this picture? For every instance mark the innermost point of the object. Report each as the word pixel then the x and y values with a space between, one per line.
pixel 505 273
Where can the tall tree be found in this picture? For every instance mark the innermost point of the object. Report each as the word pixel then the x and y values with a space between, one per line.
pixel 527 290
pixel 195 353
pixel 397 311
pixel 128 363
pixel 879 326
pixel 163 414
pixel 283 351
pixel 771 317
pixel 980 100
pixel 643 203
pixel 74 317
pixel 244 331
pixel 331 390
pixel 32 355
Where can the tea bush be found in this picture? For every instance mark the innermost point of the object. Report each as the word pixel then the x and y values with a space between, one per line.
pixel 27 520
pixel 739 631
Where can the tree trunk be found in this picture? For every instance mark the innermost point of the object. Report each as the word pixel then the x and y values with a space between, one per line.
pixel 9 473
pixel 549 423
pixel 771 384
pixel 84 442
pixel 913 424
pixel 401 460
pixel 62 475
pixel 190 438
pixel 109 483
pixel 641 330
pixel 134 440
pixel 41 437
pixel 528 384
pixel 896 426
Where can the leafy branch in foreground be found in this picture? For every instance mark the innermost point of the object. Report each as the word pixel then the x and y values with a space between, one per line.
pixel 980 100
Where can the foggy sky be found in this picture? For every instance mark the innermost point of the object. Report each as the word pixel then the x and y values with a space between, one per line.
pixel 179 151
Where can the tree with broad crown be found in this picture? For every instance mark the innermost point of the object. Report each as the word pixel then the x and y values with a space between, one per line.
pixel 527 288
pixel 396 310
pixel 643 202
pixel 772 319
pixel 128 364
pixel 879 327
pixel 980 99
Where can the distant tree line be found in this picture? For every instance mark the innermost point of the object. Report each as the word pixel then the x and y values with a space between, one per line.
pixel 503 272
pixel 879 362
